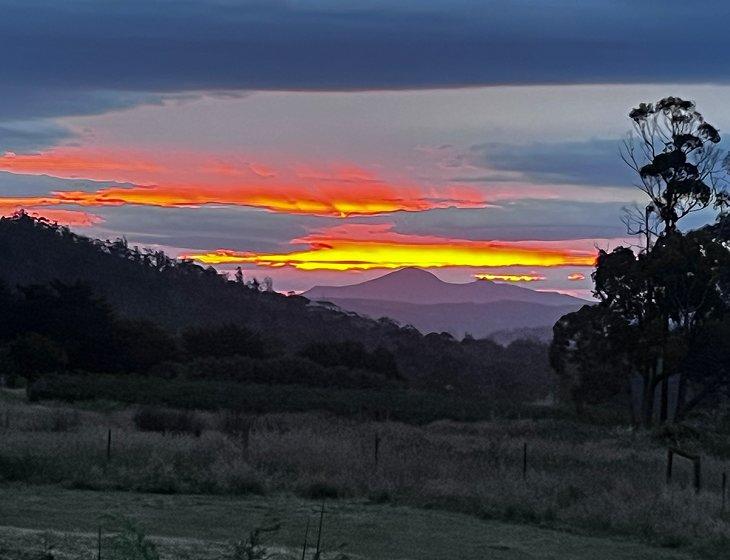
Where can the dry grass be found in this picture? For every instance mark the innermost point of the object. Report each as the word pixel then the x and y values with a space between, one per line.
pixel 594 479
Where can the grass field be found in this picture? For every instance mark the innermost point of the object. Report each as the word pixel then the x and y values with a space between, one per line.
pixel 597 482
pixel 201 527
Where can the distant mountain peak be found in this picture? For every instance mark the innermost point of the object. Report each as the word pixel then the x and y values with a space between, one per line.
pixel 410 274
pixel 415 285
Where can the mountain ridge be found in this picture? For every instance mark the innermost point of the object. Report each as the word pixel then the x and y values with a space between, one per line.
pixel 418 286
pixel 419 298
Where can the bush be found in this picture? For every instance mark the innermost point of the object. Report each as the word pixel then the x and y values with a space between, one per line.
pixel 236 424
pixel 130 542
pixel 320 491
pixel 353 355
pixel 287 370
pixel 397 404
pixel 154 419
pixel 32 355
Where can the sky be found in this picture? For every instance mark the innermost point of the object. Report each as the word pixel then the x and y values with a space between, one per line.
pixel 330 141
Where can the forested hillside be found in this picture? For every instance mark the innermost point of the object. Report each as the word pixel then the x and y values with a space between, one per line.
pixel 154 302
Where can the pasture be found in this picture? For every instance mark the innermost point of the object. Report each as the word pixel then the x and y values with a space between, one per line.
pixel 211 476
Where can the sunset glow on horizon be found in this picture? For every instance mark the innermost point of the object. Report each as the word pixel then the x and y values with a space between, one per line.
pixel 510 277
pixel 256 126
pixel 365 247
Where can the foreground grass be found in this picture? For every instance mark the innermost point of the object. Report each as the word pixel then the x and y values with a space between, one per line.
pixel 593 480
pixel 35 518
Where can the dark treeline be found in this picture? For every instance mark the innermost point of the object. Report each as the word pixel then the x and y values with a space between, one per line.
pixel 73 304
pixel 52 329
pixel 659 338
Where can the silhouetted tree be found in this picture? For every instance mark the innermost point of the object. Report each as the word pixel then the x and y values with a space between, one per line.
pixel 654 303
pixel 140 345
pixel 32 355
pixel 673 151
pixel 590 352
pixel 354 355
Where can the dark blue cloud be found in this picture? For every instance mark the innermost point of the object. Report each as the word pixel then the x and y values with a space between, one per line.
pixel 143 45
pixel 594 162
pixel 25 112
pixel 13 184
pixel 34 101
pixel 520 220
pixel 207 228
pixel 32 136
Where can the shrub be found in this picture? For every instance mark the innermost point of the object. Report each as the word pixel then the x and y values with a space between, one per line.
pixel 235 423
pixel 407 406
pixel 353 355
pixel 64 420
pixel 285 370
pixel 320 491
pixel 32 355
pixel 130 542
pixel 155 419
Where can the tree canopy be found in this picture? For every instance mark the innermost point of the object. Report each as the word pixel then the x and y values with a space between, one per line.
pixel 662 308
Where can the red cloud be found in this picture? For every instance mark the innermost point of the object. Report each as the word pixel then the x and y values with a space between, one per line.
pixel 65 217
pixel 175 180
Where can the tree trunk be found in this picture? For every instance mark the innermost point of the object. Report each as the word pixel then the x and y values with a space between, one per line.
pixel 647 405
pixel 632 409
pixel 664 402
pixel 679 408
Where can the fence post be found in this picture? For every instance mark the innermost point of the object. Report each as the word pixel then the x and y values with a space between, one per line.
pixel 246 436
pixel 317 554
pixel 698 474
pixel 109 445
pixel 670 459
pixel 724 492
pixel 376 450
pixel 306 536
pixel 524 461
pixel 98 542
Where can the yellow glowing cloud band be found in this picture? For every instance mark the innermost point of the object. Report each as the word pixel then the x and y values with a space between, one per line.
pixel 576 276
pixel 510 277
pixel 376 247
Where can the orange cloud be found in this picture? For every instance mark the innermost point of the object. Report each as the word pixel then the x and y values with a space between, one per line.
pixel 511 277
pixel 177 180
pixel 65 217
pixel 576 276
pixel 365 247
pixel 76 163
pixel 69 217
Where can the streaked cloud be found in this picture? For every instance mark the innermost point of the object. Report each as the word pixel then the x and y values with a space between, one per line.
pixel 185 179
pixel 377 246
pixel 530 277
pixel 589 162
pixel 576 276
pixel 73 218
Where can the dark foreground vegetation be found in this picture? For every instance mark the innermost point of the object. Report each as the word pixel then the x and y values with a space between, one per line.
pixel 77 308
pixel 592 478
pixel 416 407
pixel 658 342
